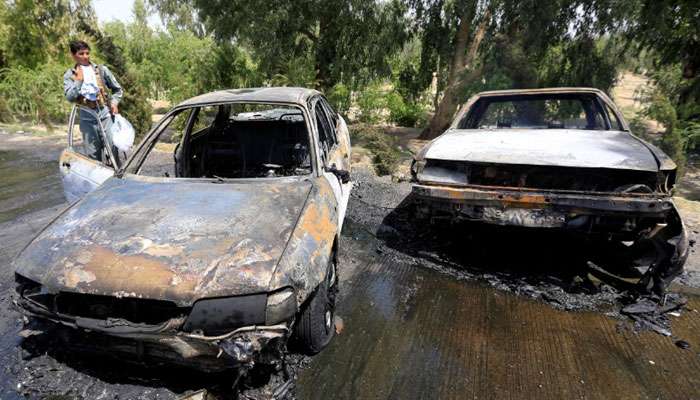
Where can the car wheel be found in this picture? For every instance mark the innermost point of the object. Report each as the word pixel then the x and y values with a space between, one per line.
pixel 315 326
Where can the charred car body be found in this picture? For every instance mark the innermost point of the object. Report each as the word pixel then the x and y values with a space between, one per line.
pixel 561 158
pixel 207 253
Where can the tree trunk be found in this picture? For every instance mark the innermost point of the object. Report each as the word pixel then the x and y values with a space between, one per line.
pixel 461 61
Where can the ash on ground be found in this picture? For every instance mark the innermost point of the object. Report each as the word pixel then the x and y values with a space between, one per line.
pixel 551 266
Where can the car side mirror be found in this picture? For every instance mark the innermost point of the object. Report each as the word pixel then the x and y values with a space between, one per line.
pixel 341 174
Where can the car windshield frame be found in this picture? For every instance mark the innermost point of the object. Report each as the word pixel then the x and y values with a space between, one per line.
pixel 477 109
pixel 132 166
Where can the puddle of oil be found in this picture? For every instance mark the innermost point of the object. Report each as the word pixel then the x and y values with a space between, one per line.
pixel 27 184
pixel 415 333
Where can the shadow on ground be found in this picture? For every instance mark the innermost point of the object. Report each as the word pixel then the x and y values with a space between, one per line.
pixel 568 270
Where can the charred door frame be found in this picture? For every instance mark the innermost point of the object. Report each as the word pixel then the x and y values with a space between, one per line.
pixel 152 136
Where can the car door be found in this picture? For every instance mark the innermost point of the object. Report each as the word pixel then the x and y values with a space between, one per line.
pixel 340 131
pixel 81 174
pixel 334 152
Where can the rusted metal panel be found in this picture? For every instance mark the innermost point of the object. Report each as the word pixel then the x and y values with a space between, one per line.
pixel 512 197
pixel 176 241
pixel 308 253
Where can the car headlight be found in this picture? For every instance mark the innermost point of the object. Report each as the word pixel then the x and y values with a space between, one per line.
pixel 444 172
pixel 417 167
pixel 281 306
pixel 222 315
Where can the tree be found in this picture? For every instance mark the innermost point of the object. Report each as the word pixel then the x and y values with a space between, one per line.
pixel 467 39
pixel 671 29
pixel 530 44
pixel 35 31
pixel 180 15
pixel 346 39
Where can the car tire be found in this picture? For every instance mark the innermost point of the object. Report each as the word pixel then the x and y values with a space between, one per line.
pixel 315 325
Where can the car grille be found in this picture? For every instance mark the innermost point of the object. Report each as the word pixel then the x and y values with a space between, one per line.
pixel 145 311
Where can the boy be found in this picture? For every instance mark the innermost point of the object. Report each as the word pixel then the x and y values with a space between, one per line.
pixel 86 84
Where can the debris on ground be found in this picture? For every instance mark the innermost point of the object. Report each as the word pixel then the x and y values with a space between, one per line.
pixel 650 313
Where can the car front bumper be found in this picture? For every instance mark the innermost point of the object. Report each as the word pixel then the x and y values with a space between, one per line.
pixel 241 347
pixel 534 208
pixel 638 218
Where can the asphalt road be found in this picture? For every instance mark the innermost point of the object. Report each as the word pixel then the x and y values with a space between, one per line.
pixel 488 315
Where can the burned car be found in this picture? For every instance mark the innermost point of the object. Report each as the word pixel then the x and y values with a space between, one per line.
pixel 212 244
pixel 560 158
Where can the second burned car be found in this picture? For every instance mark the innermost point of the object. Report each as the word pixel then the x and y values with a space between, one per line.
pixel 216 240
pixel 560 158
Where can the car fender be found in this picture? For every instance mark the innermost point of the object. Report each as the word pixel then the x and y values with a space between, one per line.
pixel 304 263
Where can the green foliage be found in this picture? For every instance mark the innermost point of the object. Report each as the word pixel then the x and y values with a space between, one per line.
pixel 638 127
pixel 347 40
pixel 385 153
pixel 679 136
pixel 670 28
pixel 339 97
pixel 176 65
pixel 403 112
pixel 371 102
pixel 562 65
pixel 672 143
pixel 32 94
pixel 294 71
pixel 34 31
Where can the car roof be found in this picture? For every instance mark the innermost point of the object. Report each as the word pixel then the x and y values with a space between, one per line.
pixel 553 90
pixel 296 95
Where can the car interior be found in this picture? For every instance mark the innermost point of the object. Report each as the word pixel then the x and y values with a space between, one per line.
pixel 236 141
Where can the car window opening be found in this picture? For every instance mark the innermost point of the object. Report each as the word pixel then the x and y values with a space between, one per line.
pixel 551 111
pixel 238 140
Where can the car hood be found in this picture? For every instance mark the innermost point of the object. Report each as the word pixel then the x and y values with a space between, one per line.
pixel 168 240
pixel 556 147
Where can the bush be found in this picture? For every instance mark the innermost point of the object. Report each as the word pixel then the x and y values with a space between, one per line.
pixel 371 102
pixel 672 144
pixel 384 150
pixel 339 97
pixel 33 94
pixel 405 113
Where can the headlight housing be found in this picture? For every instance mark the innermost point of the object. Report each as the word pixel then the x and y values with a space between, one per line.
pixel 221 315
pixel 416 168
pixel 444 172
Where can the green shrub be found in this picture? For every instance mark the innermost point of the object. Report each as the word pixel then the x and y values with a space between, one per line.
pixel 371 102
pixel 672 144
pixel 339 97
pixel 385 154
pixel 638 127
pixel 33 94
pixel 405 113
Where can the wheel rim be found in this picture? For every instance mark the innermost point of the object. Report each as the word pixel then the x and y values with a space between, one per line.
pixel 330 300
pixel 329 320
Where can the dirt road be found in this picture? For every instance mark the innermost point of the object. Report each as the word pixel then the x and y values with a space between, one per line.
pixel 460 313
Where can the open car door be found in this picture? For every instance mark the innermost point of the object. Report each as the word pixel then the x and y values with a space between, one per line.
pixel 81 174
